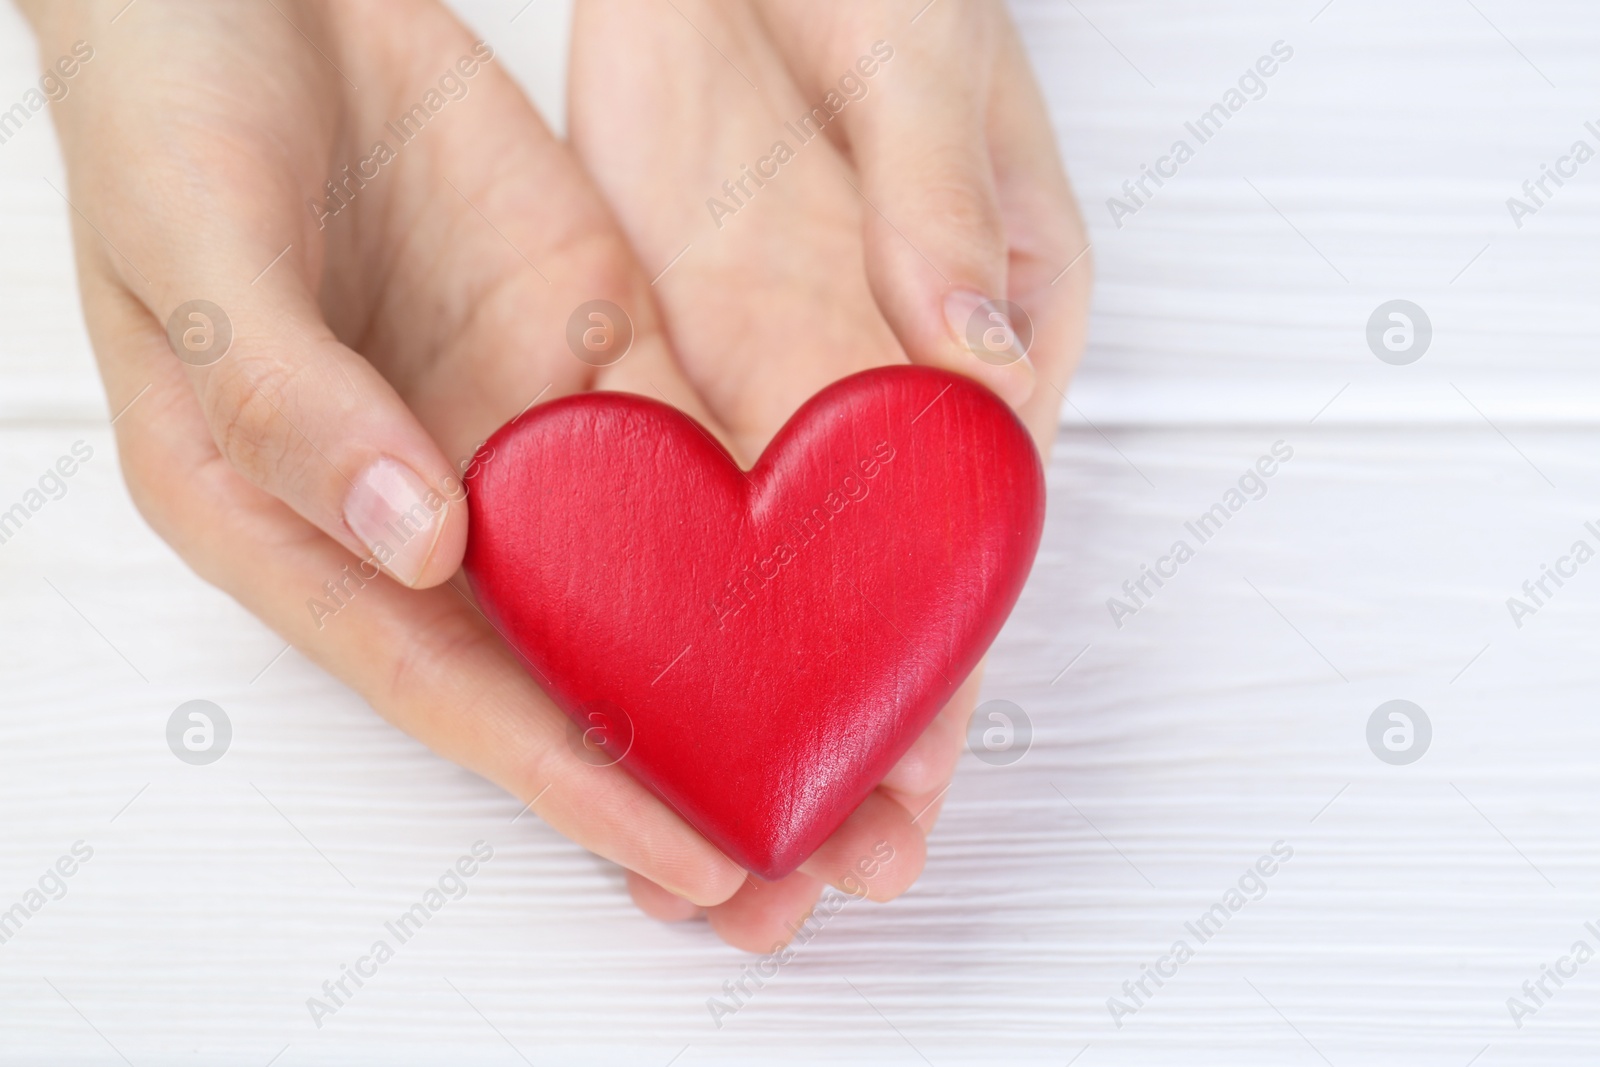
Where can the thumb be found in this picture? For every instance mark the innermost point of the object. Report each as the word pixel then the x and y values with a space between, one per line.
pixel 290 408
pixel 935 240
pixel 308 419
pixel 186 185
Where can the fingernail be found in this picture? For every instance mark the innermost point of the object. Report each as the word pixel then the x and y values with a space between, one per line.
pixel 960 305
pixel 994 347
pixel 397 516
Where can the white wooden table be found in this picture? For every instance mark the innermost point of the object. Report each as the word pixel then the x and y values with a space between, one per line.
pixel 1227 715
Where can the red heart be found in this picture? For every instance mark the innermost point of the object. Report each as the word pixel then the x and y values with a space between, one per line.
pixel 773 640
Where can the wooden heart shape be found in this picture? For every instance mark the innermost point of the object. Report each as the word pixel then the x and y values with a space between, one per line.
pixel 758 648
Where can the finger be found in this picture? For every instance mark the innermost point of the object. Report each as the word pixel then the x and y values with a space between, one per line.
pixel 925 807
pixel 935 239
pixel 306 419
pixel 211 233
pixel 779 297
pixel 294 412
pixel 659 903
pixel 877 853
pixel 930 762
pixel 763 916
pixel 309 421
pixel 428 662
pixel 482 290
pixel 1051 266
pixel 514 350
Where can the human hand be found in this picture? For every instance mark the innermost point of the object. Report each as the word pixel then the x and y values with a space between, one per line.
pixel 938 177
pixel 370 345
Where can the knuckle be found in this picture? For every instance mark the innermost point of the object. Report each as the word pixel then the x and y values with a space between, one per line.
pixel 247 423
pixel 952 172
pixel 964 207
pixel 424 662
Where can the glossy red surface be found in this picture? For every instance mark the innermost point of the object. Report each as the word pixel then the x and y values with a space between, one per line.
pixel 763 646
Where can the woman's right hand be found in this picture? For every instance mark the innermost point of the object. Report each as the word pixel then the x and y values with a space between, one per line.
pixel 377 337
